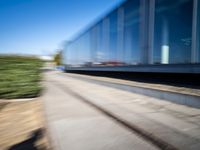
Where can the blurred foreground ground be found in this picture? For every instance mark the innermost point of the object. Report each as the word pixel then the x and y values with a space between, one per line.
pixel 18 120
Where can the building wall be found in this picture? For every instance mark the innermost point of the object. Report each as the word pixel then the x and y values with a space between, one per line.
pixel 139 32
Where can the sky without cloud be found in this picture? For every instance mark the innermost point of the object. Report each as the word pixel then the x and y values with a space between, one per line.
pixel 40 26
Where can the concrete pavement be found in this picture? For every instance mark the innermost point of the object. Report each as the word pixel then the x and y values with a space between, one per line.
pixel 74 124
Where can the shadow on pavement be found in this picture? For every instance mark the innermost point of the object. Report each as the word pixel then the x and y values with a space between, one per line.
pixel 173 79
pixel 30 143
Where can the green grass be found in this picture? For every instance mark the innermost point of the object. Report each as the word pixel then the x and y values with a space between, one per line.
pixel 20 77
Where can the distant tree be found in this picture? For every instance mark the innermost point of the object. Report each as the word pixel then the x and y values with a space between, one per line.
pixel 58 57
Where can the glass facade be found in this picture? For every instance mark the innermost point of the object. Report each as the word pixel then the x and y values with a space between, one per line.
pixel 173 31
pixel 115 40
pixel 112 41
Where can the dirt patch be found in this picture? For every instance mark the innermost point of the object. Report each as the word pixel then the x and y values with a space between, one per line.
pixel 21 125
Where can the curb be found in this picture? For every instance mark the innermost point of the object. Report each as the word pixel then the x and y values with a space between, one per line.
pixel 18 100
pixel 175 97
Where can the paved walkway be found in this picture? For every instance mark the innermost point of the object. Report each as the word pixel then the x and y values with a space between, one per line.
pixel 74 124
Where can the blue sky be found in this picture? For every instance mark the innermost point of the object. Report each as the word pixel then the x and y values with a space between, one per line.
pixel 40 26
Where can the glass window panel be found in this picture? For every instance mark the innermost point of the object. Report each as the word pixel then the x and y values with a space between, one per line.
pixel 71 55
pixel 120 35
pixel 173 31
pixel 74 54
pixel 68 54
pixel 99 53
pixel 113 38
pixel 106 38
pixel 198 31
pixel 93 34
pixel 131 32
pixel 64 53
pixel 85 50
pixel 79 51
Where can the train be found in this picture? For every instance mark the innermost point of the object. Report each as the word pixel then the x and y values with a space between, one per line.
pixel 156 36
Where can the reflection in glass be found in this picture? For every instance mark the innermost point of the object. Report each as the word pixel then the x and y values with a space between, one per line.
pixel 93 40
pixel 113 37
pixel 173 31
pixel 71 57
pixel 85 51
pixel 120 35
pixel 131 32
pixel 99 53
pixel 106 39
